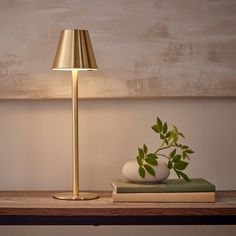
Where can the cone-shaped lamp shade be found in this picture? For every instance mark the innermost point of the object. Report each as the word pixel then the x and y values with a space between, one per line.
pixel 74 51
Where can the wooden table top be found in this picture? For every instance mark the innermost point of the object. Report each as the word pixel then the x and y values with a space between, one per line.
pixel 41 204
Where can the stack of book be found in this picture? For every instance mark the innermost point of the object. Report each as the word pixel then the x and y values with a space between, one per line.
pixel 171 190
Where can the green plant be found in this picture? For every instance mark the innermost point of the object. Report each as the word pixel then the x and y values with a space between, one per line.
pixel 176 154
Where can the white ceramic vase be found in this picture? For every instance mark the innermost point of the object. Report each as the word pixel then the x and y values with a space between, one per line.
pixel 130 172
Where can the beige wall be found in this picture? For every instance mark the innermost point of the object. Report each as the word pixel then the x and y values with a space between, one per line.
pixel 35 149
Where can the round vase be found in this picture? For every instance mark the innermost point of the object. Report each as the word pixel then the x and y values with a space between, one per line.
pixel 130 172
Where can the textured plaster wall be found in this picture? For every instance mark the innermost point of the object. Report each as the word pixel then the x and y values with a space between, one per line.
pixel 148 48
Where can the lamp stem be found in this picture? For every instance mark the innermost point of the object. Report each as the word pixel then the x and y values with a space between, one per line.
pixel 76 194
pixel 75 133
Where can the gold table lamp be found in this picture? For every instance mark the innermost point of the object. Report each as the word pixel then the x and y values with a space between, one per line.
pixel 75 53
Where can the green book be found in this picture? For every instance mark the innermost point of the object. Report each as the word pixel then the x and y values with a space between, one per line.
pixel 167 186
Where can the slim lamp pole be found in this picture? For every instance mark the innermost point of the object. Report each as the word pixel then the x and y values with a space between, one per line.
pixel 76 194
pixel 75 133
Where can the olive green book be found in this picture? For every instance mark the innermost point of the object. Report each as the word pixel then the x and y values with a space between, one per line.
pixel 190 197
pixel 167 186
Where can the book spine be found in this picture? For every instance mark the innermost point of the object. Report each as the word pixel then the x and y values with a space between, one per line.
pixel 164 197
pixel 158 189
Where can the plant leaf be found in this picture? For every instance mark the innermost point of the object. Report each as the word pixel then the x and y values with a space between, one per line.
pixel 172 153
pixel 139 160
pixel 176 158
pixel 180 134
pixel 141 171
pixel 151 161
pixel 152 155
pixel 175 128
pixel 184 176
pixel 145 149
pixel 177 172
pixel 141 152
pixel 168 134
pixel 189 151
pixel 171 135
pixel 174 136
pixel 181 165
pixel 170 165
pixel 159 124
pixel 150 170
pixel 162 136
pixel 165 127
pixel 155 128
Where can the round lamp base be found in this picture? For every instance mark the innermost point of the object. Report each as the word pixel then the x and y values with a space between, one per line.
pixel 81 197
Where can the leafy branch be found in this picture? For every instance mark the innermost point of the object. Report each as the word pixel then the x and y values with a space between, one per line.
pixel 177 158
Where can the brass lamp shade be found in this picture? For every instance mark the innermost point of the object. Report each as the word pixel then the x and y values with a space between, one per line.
pixel 74 51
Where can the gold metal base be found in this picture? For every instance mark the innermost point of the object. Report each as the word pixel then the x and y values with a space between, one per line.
pixel 81 197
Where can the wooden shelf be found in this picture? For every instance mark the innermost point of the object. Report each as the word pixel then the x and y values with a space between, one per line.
pixel 39 208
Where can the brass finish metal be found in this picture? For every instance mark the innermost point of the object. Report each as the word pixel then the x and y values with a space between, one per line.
pixel 75 133
pixel 82 196
pixel 75 53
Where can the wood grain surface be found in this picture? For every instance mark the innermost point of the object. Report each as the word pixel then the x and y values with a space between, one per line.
pixel 41 203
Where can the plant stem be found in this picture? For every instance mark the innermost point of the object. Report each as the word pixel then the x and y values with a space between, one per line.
pixel 160 154
pixel 162 144
pixel 162 148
